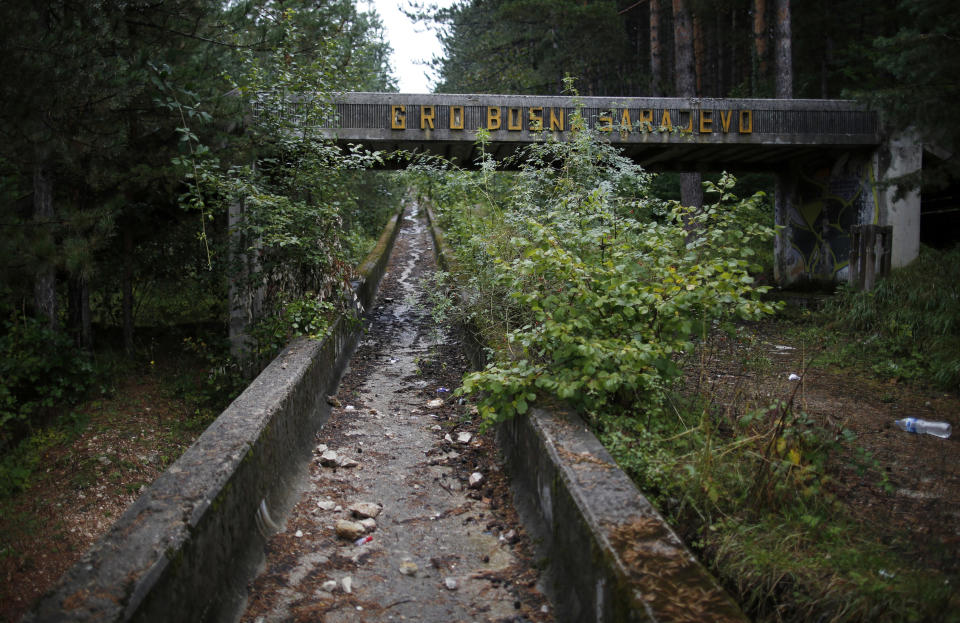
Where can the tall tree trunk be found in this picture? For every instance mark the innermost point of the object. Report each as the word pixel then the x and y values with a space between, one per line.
pixel 699 55
pixel 784 35
pixel 45 278
pixel 685 84
pixel 759 43
pixel 78 306
pixel 127 287
pixel 685 78
pixel 656 53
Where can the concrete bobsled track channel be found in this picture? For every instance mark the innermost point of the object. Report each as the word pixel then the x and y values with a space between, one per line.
pixel 399 452
pixel 378 499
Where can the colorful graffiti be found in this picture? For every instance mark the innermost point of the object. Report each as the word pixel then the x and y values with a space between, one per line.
pixel 818 215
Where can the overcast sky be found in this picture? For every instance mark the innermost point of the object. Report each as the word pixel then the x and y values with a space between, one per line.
pixel 411 44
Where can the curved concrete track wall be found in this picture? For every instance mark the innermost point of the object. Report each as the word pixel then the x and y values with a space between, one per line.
pixel 184 550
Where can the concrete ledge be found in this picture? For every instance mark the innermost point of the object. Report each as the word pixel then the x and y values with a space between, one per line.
pixel 186 548
pixel 610 556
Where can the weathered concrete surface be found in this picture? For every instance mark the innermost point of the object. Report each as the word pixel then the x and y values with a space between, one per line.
pixel 443 548
pixel 610 555
pixel 684 133
pixel 183 550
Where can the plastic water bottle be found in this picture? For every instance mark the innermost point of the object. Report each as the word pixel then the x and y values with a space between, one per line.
pixel 918 426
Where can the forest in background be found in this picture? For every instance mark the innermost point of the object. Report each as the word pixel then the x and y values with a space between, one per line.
pixel 129 129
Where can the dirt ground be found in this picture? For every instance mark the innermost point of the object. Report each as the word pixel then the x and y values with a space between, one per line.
pixel 84 485
pixel 922 471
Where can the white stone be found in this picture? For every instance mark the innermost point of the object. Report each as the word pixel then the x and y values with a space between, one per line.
pixel 464 437
pixel 475 479
pixel 364 509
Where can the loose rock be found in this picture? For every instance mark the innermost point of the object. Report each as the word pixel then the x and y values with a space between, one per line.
pixel 350 530
pixel 364 509
pixel 327 505
pixel 450 583
pixel 347 584
pixel 329 586
pixel 346 462
pixel 464 437
pixel 408 567
pixel 369 524
pixel 328 458
pixel 436 402
pixel 475 479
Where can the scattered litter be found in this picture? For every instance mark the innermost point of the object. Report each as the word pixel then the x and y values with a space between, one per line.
pixel 363 540
pixel 544 609
pixel 450 583
pixel 793 377
pixel 886 574
pixel 464 437
pixel 350 408
pixel 779 347
pixel 436 402
pixel 408 567
pixel 441 390
pixel 919 427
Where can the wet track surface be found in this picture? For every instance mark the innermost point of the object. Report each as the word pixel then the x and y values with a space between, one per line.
pixel 444 543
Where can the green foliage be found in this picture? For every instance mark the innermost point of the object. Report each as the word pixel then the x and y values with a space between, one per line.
pixel 528 46
pixel 909 324
pixel 308 316
pixel 40 371
pixel 18 465
pixel 220 379
pixel 606 285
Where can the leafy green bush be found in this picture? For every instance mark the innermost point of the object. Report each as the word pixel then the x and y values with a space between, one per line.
pixel 40 371
pixel 910 322
pixel 605 284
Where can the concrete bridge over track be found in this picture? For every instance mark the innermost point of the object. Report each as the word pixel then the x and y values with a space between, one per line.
pixel 841 214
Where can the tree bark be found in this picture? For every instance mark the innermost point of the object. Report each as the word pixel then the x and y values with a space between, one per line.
pixel 45 277
pixel 79 312
pixel 127 287
pixel 685 84
pixel 685 79
pixel 759 42
pixel 784 35
pixel 656 53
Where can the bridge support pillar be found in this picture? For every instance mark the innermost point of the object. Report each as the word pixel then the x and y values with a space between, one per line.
pixel 818 203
